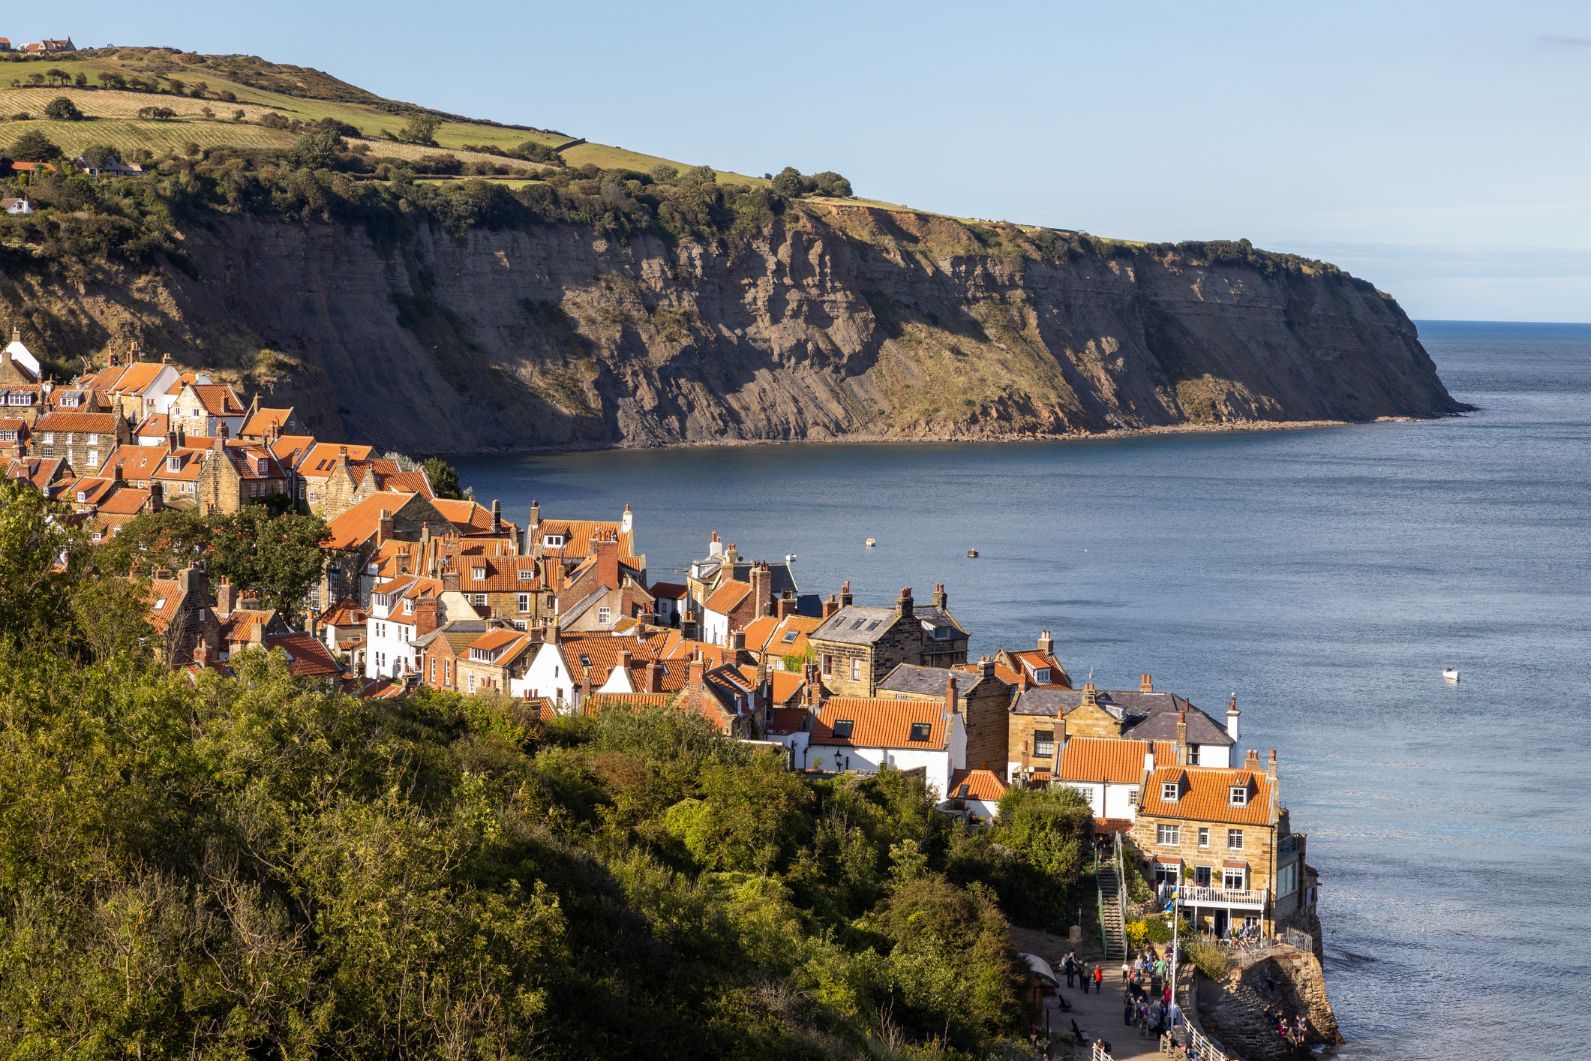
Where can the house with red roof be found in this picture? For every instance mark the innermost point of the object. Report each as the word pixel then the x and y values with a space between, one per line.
pixel 205 409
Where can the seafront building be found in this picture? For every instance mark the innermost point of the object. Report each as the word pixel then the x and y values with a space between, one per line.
pixel 560 615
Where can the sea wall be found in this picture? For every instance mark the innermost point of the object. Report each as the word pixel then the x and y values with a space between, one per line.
pixel 1240 1011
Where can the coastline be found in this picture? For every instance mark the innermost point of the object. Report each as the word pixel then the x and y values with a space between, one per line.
pixel 1114 434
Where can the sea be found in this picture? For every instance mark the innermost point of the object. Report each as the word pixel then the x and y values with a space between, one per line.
pixel 1324 576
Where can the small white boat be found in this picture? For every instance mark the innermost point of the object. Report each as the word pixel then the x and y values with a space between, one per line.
pixel 872 542
pixel 1451 674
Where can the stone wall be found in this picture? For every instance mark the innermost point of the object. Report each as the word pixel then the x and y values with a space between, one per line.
pixel 1239 1012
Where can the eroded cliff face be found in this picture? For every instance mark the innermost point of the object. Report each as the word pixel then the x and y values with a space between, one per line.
pixel 836 322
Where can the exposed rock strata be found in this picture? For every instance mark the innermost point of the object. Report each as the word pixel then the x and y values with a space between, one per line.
pixel 836 322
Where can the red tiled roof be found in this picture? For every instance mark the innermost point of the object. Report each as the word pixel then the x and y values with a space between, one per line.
pixel 320 458
pixel 880 723
pixel 578 535
pixel 669 590
pixel 359 523
pixel 976 784
pixel 306 657
pixel 217 399
pixel 154 424
pixel 725 597
pixel 1114 760
pixel 127 501
pixel 82 423
pixel 344 613
pixel 263 420
pixel 494 639
pixel 467 516
pixel 1206 795
pixel 135 378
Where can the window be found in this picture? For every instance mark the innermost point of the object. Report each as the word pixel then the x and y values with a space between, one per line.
pixel 1169 790
pixel 843 728
pixel 1234 879
pixel 1044 742
pixel 553 541
pixel 1042 676
pixel 472 683
pixel 408 606
pixel 478 574
pixel 790 636
pixel 604 616
pixel 856 670
pixel 1287 879
pixel 1239 796
pixel 828 663
pixel 1234 839
pixel 523 602
pixel 174 463
pixel 478 599
pixel 919 731
pixel 1168 835
pixel 1167 873
pixel 1204 837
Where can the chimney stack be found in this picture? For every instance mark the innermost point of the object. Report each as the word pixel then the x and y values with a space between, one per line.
pixel 845 594
pixel 786 605
pixel 157 497
pixel 731 557
pixel 1046 643
pixel 627 521
pixel 986 667
pixel 607 554
pixel 761 589
pixel 1145 684
pixel 814 690
pixel 1232 714
pixel 941 598
pixel 715 546
pixel 950 693
pixel 831 606
pixel 535 515
pixel 903 603
pixel 497 516
pixel 737 647
pixel 384 527
pixel 427 615
pixel 1270 768
pixel 225 596
pixel 654 677
pixel 1182 738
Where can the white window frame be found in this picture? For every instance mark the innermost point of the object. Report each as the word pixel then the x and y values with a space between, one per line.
pixel 1169 791
pixel 1204 836
pixel 1238 795
pixel 1234 879
pixel 1234 839
pixel 1168 835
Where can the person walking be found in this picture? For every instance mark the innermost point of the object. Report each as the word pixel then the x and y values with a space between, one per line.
pixel 1082 975
pixel 1071 968
pixel 1128 1010
pixel 1099 979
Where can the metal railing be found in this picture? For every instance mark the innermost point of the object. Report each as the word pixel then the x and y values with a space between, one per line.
pixel 1193 1046
pixel 1194 893
pixel 1097 1052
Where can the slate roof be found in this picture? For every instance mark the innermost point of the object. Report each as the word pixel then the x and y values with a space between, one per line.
pixel 917 680
pixel 1144 716
pixel 858 624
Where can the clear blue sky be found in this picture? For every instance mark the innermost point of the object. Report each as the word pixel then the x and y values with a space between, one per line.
pixel 1440 150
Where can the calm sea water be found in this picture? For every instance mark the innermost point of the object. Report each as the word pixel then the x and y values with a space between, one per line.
pixel 1326 576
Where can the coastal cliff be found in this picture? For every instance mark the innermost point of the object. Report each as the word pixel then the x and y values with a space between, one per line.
pixel 835 321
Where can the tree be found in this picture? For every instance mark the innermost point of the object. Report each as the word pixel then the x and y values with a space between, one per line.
pixel 317 149
pixel 789 183
pixel 239 114
pixel 40 557
pixel 62 109
pixel 420 129
pixel 80 80
pixel 157 114
pixel 277 555
pixel 34 146
pixel 56 76
pixel 443 476
pixel 35 79
pixel 110 80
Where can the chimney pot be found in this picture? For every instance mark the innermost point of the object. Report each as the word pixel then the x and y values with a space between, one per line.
pixel 1145 684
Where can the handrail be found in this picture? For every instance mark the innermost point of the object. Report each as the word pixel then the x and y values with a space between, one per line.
pixel 1195 1046
pixel 1099 909
pixel 1097 1052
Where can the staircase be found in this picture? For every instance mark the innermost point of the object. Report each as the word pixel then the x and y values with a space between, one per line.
pixel 1113 932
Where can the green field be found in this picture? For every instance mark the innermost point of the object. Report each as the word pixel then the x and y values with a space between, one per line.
pixel 302 94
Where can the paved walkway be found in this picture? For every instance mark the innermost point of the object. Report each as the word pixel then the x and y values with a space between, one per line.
pixel 1100 1017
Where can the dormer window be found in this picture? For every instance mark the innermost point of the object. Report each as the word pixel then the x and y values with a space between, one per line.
pixel 1239 795
pixel 1170 791
pixel 408 607
pixel 260 466
pixel 1042 675
pixel 173 463
pixel 843 728
pixel 919 732
pixel 82 496
pixel 553 541
pixel 478 574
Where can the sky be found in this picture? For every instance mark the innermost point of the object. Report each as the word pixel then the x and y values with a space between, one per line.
pixel 1440 150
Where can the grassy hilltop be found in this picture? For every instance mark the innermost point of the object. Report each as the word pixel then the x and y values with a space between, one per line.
pixel 207 92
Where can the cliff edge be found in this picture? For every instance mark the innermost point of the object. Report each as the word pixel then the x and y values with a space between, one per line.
pixel 833 321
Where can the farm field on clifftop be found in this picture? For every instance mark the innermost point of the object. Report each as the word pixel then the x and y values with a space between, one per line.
pixel 256 88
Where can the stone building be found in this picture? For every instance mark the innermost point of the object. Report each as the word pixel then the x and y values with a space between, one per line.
pixel 234 474
pixel 982 699
pixel 1044 717
pixel 180 612
pixel 857 646
pixel 1222 836
pixel 85 440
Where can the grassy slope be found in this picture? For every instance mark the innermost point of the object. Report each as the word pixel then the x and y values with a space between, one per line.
pixel 260 88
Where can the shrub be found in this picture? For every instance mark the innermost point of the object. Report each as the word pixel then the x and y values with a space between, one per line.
pixel 34 146
pixel 420 129
pixel 1208 957
pixel 62 109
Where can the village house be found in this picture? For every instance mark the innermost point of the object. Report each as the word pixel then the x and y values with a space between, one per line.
pixel 137 389
pixel 261 424
pixel 17 362
pixel 13 437
pixel 44 474
pixel 722 565
pixel 983 701
pixel 1042 718
pixel 868 734
pixel 355 536
pixel 1034 666
pixel 16 205
pixel 1221 836
pixel 494 660
pixel 84 440
pixel 50 47
pixel 341 628
pixel 600 591
pixel 1109 773
pixel 568 668
pixel 403 610
pixel 974 794
pixel 441 651
pixel 563 544
pixel 206 409
pixel 234 474
pixel 668 602
pixel 179 612
pixel 857 646
pixel 781 640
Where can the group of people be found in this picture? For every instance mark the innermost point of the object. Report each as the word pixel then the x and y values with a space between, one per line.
pixel 1084 975
pixel 1148 1003
pixel 1295 1032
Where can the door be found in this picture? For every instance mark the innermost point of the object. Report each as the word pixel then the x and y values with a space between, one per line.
pixel 1219 922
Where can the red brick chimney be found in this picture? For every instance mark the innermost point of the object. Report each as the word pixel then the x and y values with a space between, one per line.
pixel 1146 684
pixel 737 648
pixel 383 527
pixel 831 606
pixel 607 553
pixel 761 589
pixel 785 606
pixel 950 693
pixel 427 615
pixel 653 682
pixel 845 594
pixel 815 690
